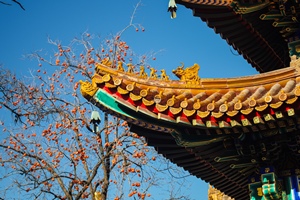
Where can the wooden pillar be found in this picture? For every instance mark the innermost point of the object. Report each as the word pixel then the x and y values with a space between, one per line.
pixel 270 186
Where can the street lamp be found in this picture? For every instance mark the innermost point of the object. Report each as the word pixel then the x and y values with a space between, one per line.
pixel 95 120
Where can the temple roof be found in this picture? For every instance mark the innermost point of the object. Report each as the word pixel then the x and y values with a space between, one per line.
pixel 220 130
pixel 206 100
pixel 264 32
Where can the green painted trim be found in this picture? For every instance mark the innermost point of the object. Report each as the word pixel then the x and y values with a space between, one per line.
pixel 143 119
pixel 256 191
pixel 110 102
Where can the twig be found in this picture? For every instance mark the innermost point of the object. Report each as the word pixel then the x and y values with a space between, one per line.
pixel 19 4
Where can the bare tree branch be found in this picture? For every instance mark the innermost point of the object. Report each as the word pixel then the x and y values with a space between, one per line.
pixel 15 1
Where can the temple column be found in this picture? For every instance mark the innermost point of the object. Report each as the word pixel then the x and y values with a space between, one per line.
pixel 292 187
pixel 269 186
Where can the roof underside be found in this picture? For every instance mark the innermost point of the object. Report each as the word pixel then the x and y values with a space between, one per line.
pixel 198 161
pixel 260 43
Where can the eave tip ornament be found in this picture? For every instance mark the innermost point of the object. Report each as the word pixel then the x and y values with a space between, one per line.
pixel 172 8
pixel 88 89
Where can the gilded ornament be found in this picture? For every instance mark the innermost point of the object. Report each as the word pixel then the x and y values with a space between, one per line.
pixel 188 75
pixel 130 68
pixel 197 122
pixel 122 91
pixel 147 102
pixel 109 85
pixel 215 194
pixel 261 108
pixel 234 123
pixel 188 113
pixel 175 111
pixel 282 96
pixel 291 112
pixel 211 124
pixel 203 114
pixel 246 122
pixel 232 113
pixel 297 90
pixel 224 107
pixel 247 111
pixel 106 61
pixel 197 105
pixel 268 117
pixel 106 78
pixel 258 120
pixel 276 105
pixel 120 66
pixel 217 114
pixel 117 81
pixel 223 124
pixel 161 108
pixel 163 75
pixel 238 105
pixel 135 97
pixel 295 62
pixel 184 120
pixel 268 98
pixel 130 87
pixel 252 102
pixel 153 73
pixel 88 89
pixel 143 74
pixel 278 114
pixel 157 98
pixel 98 195
pixel 144 92
pixel 171 101
pixel 292 100
pixel 165 117
pixel 184 103
pixel 211 106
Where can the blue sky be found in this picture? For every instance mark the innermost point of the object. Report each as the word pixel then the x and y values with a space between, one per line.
pixel 185 39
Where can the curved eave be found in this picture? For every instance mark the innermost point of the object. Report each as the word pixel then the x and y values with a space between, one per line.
pixel 188 123
pixel 211 103
pixel 214 105
pixel 258 41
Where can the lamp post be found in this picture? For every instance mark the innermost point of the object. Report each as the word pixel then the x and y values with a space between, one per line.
pixel 95 120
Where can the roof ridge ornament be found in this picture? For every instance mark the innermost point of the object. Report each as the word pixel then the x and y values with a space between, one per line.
pixel 295 62
pixel 188 75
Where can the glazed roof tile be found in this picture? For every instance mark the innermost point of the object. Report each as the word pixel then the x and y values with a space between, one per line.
pixel 211 97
